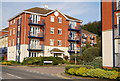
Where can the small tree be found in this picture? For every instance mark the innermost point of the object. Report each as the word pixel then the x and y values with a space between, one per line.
pixel 90 53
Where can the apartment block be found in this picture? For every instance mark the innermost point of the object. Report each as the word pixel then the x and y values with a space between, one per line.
pixel 111 33
pixel 88 38
pixel 39 32
pixel 4 43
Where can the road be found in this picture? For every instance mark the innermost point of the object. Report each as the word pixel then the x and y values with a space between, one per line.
pixel 17 74
pixel 12 73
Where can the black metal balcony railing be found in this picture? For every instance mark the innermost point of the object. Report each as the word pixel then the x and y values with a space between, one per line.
pixel 37 35
pixel 84 42
pixel 92 38
pixel 32 47
pixel 74 39
pixel 74 49
pixel 37 23
pixel 76 28
pixel 84 36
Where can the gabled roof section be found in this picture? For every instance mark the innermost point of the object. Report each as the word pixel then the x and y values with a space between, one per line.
pixel 39 10
pixel 45 12
pixel 69 17
pixel 87 32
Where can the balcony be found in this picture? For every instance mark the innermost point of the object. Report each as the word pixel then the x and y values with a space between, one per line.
pixel 35 48
pixel 92 38
pixel 76 28
pixel 37 35
pixel 84 36
pixel 84 42
pixel 74 39
pixel 73 50
pixel 39 23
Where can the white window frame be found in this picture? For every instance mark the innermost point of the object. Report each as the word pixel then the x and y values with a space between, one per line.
pixel 13 31
pixel 59 33
pixel 52 18
pixel 52 30
pixel 52 42
pixel 11 22
pixel 59 42
pixel 59 19
pixel 14 20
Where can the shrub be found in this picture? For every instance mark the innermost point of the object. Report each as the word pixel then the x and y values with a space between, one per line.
pixel 72 71
pixel 98 73
pixel 90 53
pixel 6 63
pixel 82 71
pixel 39 60
pixel 97 62
pixel 77 66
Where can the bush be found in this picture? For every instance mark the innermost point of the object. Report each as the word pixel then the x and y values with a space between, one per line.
pixel 72 71
pixel 90 54
pixel 97 73
pixel 97 62
pixel 39 60
pixel 82 71
pixel 77 66
pixel 6 63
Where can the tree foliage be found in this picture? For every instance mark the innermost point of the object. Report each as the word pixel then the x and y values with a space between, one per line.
pixel 94 27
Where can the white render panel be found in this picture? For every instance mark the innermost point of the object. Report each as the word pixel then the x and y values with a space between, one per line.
pixel 23 52
pixel 107 48
pixel 11 53
pixel 48 48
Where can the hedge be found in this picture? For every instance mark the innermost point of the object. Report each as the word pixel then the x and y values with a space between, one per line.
pixel 39 60
pixel 77 66
pixel 97 73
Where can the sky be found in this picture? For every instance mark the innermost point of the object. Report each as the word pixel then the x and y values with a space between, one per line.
pixel 86 11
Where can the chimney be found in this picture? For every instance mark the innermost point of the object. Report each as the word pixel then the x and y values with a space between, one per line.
pixel 46 6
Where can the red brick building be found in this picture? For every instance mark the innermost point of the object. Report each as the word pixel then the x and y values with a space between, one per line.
pixel 4 43
pixel 111 33
pixel 88 38
pixel 43 32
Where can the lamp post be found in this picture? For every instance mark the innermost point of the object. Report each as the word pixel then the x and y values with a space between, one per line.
pixel 75 53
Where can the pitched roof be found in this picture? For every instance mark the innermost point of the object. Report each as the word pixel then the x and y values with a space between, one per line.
pixel 39 10
pixel 45 11
pixel 69 17
pixel 5 29
pixel 87 32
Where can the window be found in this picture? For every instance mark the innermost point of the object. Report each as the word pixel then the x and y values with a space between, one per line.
pixel 10 22
pixel 59 20
pixel 51 30
pixel 59 31
pixel 52 19
pixel 14 20
pixel 72 24
pixel 59 42
pixel 35 18
pixel 10 32
pixel 51 41
pixel 13 31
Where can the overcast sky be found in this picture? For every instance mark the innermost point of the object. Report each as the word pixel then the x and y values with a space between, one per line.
pixel 86 11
